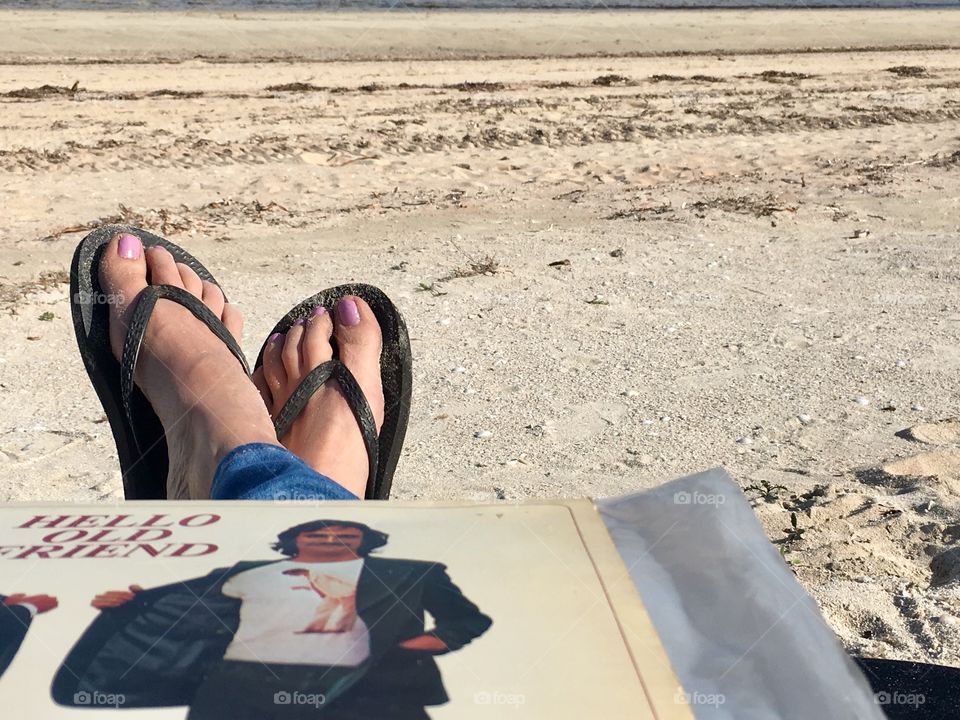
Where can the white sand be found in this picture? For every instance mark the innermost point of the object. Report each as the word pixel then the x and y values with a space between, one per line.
pixel 793 245
pixel 96 36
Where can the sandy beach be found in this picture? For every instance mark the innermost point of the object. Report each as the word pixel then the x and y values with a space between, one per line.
pixel 629 247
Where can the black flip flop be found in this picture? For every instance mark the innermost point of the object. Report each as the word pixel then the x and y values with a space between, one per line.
pixel 908 690
pixel 383 451
pixel 141 444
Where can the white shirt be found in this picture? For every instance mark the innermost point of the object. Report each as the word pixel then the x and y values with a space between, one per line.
pixel 308 618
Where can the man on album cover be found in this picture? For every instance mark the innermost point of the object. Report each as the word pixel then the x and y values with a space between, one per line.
pixel 16 614
pixel 329 631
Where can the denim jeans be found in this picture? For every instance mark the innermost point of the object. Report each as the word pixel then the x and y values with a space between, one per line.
pixel 258 471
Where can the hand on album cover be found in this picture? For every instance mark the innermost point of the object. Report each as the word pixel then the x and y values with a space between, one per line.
pixel 16 615
pixel 43 603
pixel 115 598
pixel 429 643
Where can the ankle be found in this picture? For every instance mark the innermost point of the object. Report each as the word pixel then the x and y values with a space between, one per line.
pixel 203 440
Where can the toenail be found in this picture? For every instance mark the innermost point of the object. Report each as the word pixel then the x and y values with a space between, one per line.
pixel 300 321
pixel 318 311
pixel 129 247
pixel 347 311
pixel 275 337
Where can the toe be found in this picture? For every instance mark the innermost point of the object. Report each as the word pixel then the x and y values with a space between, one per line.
pixel 212 297
pixel 229 315
pixel 357 331
pixel 290 355
pixel 273 370
pixel 191 281
pixel 233 320
pixel 315 347
pixel 358 342
pixel 162 267
pixel 261 384
pixel 123 274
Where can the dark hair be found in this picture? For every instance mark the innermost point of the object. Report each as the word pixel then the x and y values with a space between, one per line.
pixel 287 540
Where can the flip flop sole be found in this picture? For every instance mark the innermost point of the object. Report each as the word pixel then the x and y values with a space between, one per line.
pixel 144 473
pixel 395 370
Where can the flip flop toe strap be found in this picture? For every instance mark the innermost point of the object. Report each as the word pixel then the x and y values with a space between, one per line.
pixel 350 389
pixel 137 327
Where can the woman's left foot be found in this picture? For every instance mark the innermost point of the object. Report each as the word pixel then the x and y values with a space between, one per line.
pixel 326 434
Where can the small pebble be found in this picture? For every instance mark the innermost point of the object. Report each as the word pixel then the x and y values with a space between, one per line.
pixel 444 321
pixel 664 418
pixel 744 441
pixel 901 363
pixel 805 419
pixel 631 393
pixel 916 408
pixel 459 369
pixel 861 400
pixel 483 434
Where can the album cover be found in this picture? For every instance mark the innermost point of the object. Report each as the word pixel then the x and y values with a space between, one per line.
pixel 379 611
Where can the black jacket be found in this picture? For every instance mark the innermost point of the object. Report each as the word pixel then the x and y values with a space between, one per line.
pixel 14 623
pixel 156 649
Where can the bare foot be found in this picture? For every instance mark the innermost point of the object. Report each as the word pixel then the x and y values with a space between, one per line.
pixel 199 390
pixel 326 435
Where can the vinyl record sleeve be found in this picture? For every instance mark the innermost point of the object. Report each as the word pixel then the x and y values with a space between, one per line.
pixel 335 610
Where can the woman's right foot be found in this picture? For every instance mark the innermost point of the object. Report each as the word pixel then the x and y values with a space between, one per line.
pixel 198 389
pixel 326 434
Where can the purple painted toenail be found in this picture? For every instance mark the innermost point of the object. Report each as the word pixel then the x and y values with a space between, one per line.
pixel 318 311
pixel 301 321
pixel 347 312
pixel 275 337
pixel 129 247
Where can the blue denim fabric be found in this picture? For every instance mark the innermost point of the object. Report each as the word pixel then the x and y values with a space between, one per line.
pixel 258 471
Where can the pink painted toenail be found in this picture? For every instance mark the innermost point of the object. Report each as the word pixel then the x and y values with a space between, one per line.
pixel 318 311
pixel 347 312
pixel 273 338
pixel 129 247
